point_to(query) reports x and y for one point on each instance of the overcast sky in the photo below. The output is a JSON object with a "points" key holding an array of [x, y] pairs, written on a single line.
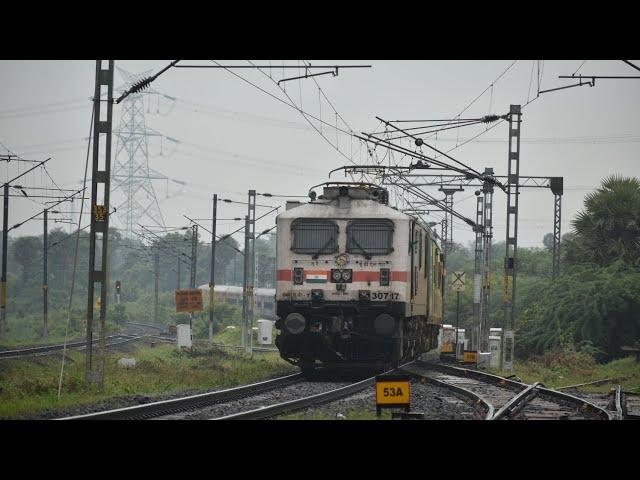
{"points": [[234, 137]]}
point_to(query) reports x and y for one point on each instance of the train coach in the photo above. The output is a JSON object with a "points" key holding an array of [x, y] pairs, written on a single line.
{"points": [[263, 298], [359, 284]]}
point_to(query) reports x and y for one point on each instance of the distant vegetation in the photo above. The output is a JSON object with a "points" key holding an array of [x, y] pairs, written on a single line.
{"points": [[594, 307], [133, 264]]}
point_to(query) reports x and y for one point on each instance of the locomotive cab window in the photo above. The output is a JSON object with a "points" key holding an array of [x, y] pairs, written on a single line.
{"points": [[314, 236], [370, 237]]}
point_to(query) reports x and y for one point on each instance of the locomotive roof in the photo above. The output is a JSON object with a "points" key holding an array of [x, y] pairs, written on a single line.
{"points": [[329, 209], [358, 209]]}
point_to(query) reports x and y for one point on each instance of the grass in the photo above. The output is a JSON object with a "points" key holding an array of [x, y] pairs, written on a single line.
{"points": [[559, 370], [29, 386], [349, 415]]}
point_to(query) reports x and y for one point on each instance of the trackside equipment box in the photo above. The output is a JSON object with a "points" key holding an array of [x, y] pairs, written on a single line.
{"points": [[184, 336], [393, 391]]}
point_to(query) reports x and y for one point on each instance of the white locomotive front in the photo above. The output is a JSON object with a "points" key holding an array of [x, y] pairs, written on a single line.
{"points": [[358, 283]]}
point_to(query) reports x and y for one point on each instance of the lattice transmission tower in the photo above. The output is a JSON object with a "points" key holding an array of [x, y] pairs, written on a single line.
{"points": [[133, 194]]}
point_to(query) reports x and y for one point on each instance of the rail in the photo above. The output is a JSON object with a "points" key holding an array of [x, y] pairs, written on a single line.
{"points": [[305, 402], [60, 346], [587, 408], [165, 407]]}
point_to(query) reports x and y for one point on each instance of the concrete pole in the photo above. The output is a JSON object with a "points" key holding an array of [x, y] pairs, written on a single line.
{"points": [[245, 281], [45, 279], [156, 262], [5, 230], [212, 281]]}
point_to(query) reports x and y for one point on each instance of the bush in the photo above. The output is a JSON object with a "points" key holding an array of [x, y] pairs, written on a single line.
{"points": [[590, 310]]}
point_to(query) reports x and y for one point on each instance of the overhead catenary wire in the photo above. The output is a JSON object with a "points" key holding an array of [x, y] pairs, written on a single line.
{"points": [[291, 105], [486, 89], [75, 258], [304, 115], [437, 130], [17, 225]]}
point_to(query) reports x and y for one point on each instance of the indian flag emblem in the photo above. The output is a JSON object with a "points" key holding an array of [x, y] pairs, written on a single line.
{"points": [[315, 276]]}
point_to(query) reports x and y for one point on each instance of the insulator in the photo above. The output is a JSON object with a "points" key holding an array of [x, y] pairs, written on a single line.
{"points": [[140, 85], [490, 118]]}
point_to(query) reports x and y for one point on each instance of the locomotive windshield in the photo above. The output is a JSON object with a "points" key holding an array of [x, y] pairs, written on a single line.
{"points": [[314, 236], [370, 237]]}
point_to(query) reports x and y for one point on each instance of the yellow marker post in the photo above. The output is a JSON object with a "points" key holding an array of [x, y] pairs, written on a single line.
{"points": [[393, 391], [470, 356]]}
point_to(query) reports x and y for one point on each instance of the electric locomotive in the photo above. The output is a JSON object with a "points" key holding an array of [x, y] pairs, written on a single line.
{"points": [[359, 284]]}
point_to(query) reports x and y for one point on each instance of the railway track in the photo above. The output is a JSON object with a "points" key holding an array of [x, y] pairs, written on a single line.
{"points": [[146, 327], [492, 397], [510, 399], [289, 406], [238, 347], [620, 404], [189, 403], [112, 340], [632, 406], [276, 409], [261, 400]]}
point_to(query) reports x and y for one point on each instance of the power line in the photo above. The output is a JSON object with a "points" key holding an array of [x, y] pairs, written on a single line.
{"points": [[486, 89], [578, 69], [304, 114], [281, 100]]}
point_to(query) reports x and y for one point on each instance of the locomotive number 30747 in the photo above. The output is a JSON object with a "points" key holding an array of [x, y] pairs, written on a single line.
{"points": [[384, 295]]}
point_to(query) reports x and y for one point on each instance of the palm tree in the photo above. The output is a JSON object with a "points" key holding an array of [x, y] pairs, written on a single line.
{"points": [[609, 227]]}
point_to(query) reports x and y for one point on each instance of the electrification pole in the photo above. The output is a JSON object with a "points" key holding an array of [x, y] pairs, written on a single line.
{"points": [[5, 246], [178, 279], [477, 278], [212, 281], [252, 267], [447, 221], [156, 262], [245, 281], [5, 230], [511, 253], [557, 190], [45, 278], [487, 189], [194, 253], [99, 233]]}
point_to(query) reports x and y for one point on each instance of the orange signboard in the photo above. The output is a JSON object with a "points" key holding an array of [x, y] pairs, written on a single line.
{"points": [[189, 300]]}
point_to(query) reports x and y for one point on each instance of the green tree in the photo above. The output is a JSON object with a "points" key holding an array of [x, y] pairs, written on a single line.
{"points": [[595, 308], [609, 227], [26, 251]]}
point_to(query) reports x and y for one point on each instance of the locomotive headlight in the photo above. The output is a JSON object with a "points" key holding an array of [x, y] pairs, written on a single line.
{"points": [[298, 276], [294, 323], [346, 275], [336, 275]]}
